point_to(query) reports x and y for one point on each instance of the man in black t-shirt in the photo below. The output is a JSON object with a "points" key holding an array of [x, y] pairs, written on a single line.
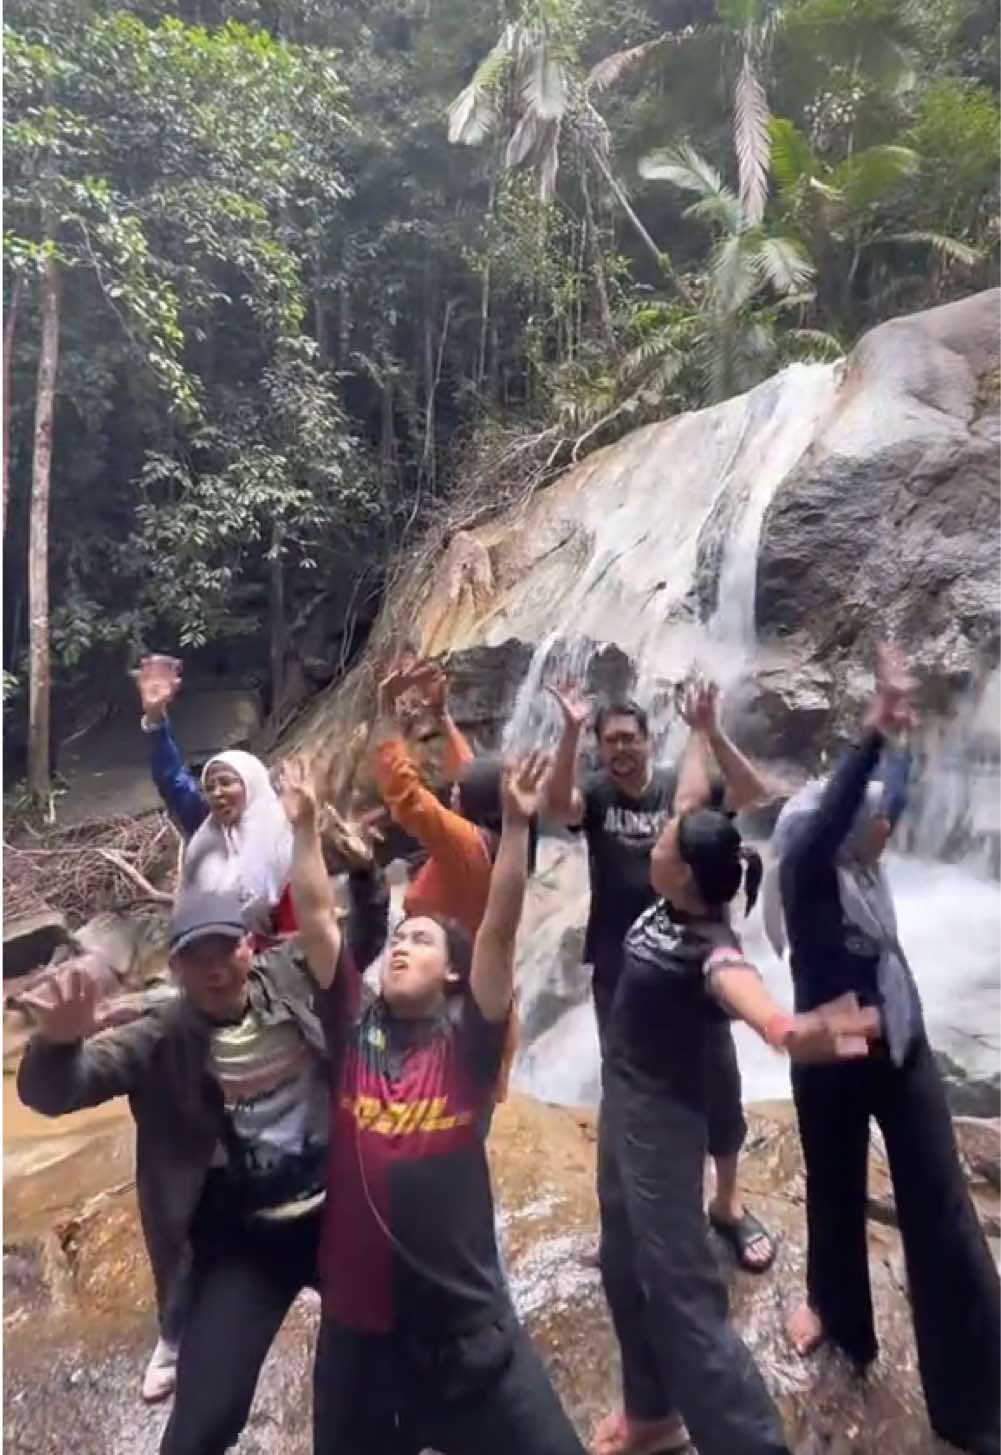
{"points": [[621, 809]]}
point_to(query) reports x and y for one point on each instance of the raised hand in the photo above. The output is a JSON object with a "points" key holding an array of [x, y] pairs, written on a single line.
{"points": [[64, 1008], [892, 710], [433, 686], [354, 842], [524, 786], [298, 792], [572, 703], [698, 704], [158, 679]]}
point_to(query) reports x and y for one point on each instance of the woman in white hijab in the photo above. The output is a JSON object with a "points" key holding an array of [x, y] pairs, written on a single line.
{"points": [[828, 898], [238, 836]]}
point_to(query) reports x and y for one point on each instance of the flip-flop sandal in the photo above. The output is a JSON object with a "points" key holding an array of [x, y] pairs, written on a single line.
{"points": [[740, 1235]]}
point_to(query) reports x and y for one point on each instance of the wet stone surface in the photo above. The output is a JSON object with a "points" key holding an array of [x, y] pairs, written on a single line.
{"points": [[79, 1326]]}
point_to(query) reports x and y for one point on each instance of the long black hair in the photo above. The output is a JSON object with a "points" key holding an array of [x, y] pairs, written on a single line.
{"points": [[711, 846]]}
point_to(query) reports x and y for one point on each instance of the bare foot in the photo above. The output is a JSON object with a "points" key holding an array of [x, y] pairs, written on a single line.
{"points": [[804, 1330], [617, 1434]]}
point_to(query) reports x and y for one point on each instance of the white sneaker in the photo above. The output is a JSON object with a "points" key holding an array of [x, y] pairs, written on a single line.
{"points": [[161, 1373]]}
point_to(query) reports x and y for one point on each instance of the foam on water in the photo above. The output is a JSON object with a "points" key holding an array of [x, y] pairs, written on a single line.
{"points": [[950, 928]]}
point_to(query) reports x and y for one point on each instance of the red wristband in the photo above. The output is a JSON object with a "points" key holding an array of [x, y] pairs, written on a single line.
{"points": [[777, 1029]]}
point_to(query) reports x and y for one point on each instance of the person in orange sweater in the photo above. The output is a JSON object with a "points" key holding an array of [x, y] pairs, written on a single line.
{"points": [[461, 839]]}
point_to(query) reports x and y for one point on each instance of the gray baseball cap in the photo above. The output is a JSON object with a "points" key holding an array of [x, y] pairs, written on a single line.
{"points": [[200, 913]]}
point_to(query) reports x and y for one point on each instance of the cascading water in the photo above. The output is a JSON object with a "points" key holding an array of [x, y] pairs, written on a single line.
{"points": [[639, 589]]}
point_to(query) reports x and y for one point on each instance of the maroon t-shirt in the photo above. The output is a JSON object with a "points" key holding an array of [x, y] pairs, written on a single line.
{"points": [[408, 1241]]}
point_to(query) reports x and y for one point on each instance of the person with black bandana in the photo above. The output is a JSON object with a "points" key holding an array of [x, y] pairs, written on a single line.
{"points": [[828, 897], [684, 976]]}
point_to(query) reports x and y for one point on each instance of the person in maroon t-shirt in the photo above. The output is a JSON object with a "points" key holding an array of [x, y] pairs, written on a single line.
{"points": [[419, 1344]]}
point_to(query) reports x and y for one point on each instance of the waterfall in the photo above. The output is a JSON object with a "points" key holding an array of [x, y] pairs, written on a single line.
{"points": [[661, 578]]}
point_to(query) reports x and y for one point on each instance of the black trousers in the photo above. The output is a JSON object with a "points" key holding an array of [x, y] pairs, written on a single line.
{"points": [[724, 1093], [667, 1299], [487, 1394], [242, 1283], [953, 1280]]}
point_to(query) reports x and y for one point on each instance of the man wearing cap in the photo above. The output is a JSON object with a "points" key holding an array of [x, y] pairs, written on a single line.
{"points": [[228, 1088]]}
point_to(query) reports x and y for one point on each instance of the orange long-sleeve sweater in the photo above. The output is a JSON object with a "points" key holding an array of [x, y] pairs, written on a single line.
{"points": [[455, 880]]}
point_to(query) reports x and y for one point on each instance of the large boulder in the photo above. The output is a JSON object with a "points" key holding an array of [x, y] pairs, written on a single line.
{"points": [[770, 538], [78, 1298]]}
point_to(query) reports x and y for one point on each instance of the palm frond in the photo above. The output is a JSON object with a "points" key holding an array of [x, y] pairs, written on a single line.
{"points": [[723, 208], [472, 116], [525, 139], [733, 271], [612, 69], [792, 157], [544, 85], [549, 161], [815, 343], [866, 177], [752, 139], [683, 167], [782, 263], [952, 248]]}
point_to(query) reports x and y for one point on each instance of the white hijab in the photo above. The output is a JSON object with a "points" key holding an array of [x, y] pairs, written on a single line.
{"points": [[252, 856]]}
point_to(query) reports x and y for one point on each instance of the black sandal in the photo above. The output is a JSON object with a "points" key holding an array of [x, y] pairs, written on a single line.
{"points": [[740, 1236]]}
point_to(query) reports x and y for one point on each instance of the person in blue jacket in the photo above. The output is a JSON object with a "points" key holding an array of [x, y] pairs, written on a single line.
{"points": [[238, 839]]}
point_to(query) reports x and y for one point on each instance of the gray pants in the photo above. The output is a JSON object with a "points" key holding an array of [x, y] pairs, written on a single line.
{"points": [[667, 1299]]}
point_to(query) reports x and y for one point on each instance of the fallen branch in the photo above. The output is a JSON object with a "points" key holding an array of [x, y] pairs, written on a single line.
{"points": [[142, 884]]}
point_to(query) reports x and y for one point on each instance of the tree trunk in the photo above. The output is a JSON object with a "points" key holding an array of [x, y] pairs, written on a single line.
{"points": [[39, 684], [277, 629], [9, 325], [661, 259], [591, 231]]}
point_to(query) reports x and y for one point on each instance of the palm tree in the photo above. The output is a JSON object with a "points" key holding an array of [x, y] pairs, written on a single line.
{"points": [[754, 278], [838, 210], [530, 87]]}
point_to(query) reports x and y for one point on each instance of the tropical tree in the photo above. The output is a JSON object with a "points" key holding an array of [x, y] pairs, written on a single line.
{"points": [[754, 276], [840, 211]]}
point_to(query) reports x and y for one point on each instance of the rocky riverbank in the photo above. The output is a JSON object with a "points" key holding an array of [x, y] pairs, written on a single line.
{"points": [[78, 1321]]}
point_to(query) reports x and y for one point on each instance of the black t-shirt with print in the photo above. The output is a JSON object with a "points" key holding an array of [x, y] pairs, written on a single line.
{"points": [[664, 1017], [621, 831]]}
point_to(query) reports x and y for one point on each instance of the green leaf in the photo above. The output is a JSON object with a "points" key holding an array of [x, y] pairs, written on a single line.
{"points": [[792, 157]]}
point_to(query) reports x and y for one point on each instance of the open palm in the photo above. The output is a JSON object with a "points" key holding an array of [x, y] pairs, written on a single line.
{"points": [[297, 791], [525, 784]]}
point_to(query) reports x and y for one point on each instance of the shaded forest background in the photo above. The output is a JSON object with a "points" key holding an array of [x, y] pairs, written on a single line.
{"points": [[292, 286]]}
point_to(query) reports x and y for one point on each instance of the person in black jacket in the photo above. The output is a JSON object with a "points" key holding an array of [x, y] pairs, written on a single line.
{"points": [[828, 896]]}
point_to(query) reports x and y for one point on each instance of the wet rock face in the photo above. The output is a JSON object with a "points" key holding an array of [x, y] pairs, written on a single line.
{"points": [[78, 1320]]}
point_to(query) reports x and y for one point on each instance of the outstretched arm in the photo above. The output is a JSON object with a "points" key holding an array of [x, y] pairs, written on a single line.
{"points": [[65, 1066], [312, 892], [835, 1032], [491, 978]]}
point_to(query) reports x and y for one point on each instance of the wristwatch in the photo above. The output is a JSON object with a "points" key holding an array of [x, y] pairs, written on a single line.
{"points": [[152, 727]]}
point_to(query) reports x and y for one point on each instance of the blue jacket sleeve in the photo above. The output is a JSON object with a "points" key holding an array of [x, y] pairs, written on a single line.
{"points": [[823, 833], [182, 796]]}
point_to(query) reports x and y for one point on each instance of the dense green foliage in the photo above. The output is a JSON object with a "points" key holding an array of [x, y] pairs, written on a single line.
{"points": [[322, 262]]}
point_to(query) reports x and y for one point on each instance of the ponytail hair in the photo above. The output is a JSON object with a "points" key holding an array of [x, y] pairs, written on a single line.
{"points": [[711, 846]]}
